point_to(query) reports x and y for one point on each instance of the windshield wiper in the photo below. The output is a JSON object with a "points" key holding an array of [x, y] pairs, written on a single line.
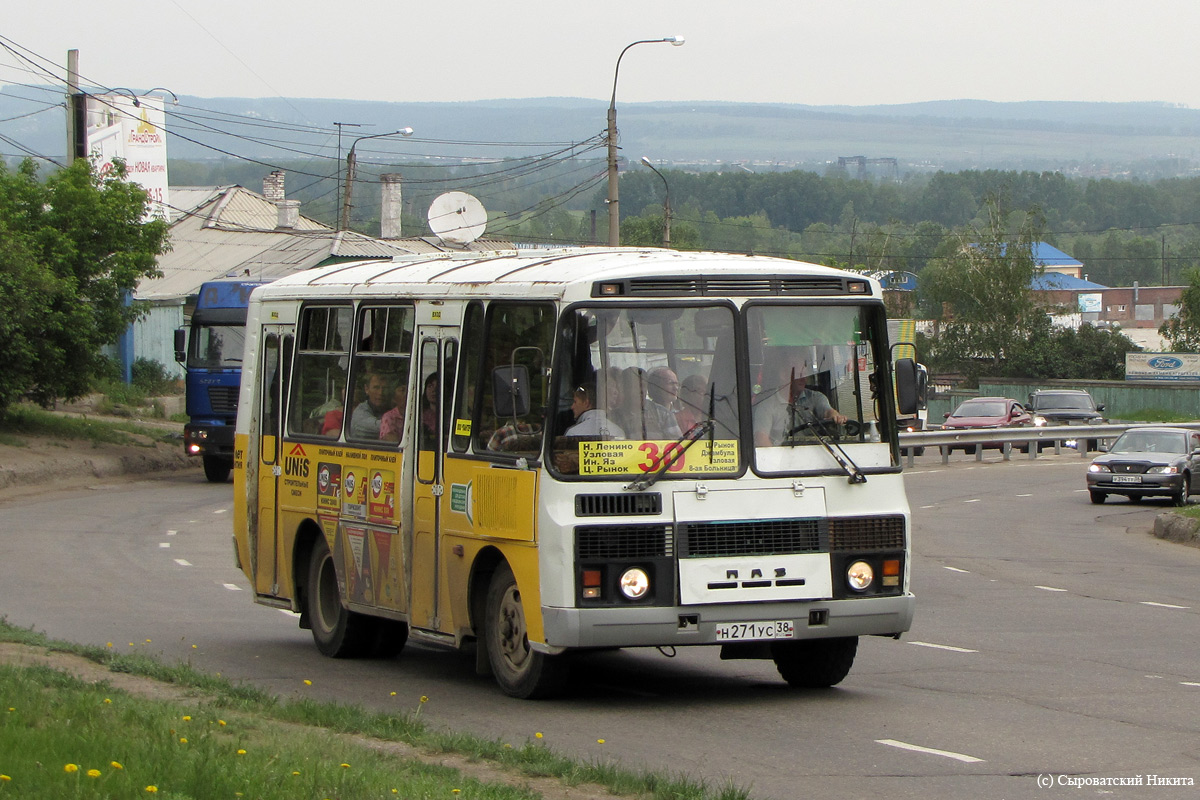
{"points": [[833, 448], [688, 439]]}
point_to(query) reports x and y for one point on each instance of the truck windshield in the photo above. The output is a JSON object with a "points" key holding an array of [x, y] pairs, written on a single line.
{"points": [[216, 346]]}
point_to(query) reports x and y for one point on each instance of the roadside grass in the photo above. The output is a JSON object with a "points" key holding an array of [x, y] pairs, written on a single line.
{"points": [[237, 741], [1160, 415], [29, 420]]}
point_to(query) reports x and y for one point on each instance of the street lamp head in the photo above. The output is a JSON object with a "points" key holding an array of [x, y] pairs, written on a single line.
{"points": [[646, 161], [675, 41], [405, 131]]}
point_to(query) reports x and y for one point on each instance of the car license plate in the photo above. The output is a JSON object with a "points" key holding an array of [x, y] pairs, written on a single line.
{"points": [[1127, 478], [749, 631]]}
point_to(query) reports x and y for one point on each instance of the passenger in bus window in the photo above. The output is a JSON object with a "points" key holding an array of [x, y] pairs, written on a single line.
{"points": [[429, 404], [589, 420], [364, 421], [789, 402], [663, 387], [633, 395], [391, 426]]}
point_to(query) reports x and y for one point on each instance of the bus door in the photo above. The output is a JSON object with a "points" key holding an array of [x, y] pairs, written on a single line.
{"points": [[274, 373], [435, 375]]}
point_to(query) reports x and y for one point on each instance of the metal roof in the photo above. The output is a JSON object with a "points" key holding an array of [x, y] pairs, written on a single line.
{"points": [[1059, 281], [230, 231]]}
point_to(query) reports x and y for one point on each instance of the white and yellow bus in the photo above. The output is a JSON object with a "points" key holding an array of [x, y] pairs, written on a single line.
{"points": [[540, 453]]}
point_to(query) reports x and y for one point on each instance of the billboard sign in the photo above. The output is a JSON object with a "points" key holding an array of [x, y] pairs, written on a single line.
{"points": [[132, 129], [1090, 302], [1162, 367]]}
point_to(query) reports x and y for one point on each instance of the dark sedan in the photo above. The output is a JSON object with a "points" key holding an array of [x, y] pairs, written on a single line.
{"points": [[1147, 462], [988, 412]]}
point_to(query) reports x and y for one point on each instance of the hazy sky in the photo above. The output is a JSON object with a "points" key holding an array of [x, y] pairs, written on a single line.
{"points": [[852, 52]]}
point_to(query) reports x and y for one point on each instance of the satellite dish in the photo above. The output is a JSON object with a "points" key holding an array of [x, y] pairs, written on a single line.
{"points": [[457, 218]]}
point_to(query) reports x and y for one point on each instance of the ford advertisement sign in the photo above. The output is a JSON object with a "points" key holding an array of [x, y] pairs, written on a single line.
{"points": [[1162, 367]]}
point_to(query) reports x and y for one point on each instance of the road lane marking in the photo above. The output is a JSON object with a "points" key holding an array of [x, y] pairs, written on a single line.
{"points": [[925, 507], [931, 751], [1188, 683], [1050, 589], [944, 647], [233, 587], [183, 562], [1025, 495], [976, 500], [1163, 605], [220, 510], [172, 533], [956, 569], [164, 544]]}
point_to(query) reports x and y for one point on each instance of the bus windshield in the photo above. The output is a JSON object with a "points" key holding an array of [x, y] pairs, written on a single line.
{"points": [[647, 388], [216, 346]]}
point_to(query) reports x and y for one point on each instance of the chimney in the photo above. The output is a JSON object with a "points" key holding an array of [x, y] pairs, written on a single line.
{"points": [[289, 214], [389, 215], [273, 187]]}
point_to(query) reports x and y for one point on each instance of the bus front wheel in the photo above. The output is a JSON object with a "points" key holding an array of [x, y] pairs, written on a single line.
{"points": [[337, 631], [519, 670], [814, 663]]}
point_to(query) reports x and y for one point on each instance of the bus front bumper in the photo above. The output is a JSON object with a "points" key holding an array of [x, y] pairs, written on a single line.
{"points": [[679, 626]]}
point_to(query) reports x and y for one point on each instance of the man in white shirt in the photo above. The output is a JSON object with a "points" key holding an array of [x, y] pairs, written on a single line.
{"points": [[788, 404], [589, 420]]}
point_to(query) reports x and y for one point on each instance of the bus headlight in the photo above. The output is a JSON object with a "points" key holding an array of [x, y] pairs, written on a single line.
{"points": [[860, 576], [635, 583]]}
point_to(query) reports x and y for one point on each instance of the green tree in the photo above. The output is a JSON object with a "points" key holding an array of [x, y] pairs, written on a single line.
{"points": [[75, 246], [1182, 331], [980, 293]]}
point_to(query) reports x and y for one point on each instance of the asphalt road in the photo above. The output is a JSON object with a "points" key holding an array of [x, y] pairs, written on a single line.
{"points": [[1052, 638]]}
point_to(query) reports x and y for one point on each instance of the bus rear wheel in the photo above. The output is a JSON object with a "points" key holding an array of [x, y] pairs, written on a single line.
{"points": [[814, 663], [519, 670], [216, 469], [337, 631]]}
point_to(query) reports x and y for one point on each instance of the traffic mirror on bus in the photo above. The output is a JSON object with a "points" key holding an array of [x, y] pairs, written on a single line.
{"points": [[910, 385], [510, 387]]}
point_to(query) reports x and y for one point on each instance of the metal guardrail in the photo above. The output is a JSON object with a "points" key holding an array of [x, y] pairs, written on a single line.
{"points": [[1005, 439]]}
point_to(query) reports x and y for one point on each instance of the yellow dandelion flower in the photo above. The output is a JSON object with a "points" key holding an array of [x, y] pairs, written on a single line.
{"points": [[345, 766], [108, 701], [395, 791], [241, 752], [93, 773], [456, 791], [193, 647], [6, 779], [187, 717], [183, 740], [599, 741], [147, 641], [151, 789], [538, 735], [221, 722], [110, 644], [307, 682], [116, 765], [424, 699], [295, 772], [71, 768], [508, 747], [393, 694], [10, 708], [131, 644]]}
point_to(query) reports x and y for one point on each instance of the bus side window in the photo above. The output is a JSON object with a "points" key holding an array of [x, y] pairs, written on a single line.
{"points": [[464, 417], [380, 374], [517, 343], [319, 385]]}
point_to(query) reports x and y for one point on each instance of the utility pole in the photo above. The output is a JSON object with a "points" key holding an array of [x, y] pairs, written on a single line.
{"points": [[76, 111], [341, 125]]}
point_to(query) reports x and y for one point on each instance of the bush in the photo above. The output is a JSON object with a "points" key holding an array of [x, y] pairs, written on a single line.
{"points": [[152, 378]]}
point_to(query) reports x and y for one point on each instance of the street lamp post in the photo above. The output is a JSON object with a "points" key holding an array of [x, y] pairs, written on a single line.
{"points": [[614, 207], [666, 203], [350, 162]]}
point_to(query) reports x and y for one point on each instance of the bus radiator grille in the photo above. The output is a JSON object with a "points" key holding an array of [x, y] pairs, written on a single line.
{"points": [[623, 541], [750, 538], [866, 533], [617, 505]]}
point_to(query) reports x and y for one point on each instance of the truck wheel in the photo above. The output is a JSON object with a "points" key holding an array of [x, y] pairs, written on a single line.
{"points": [[815, 663], [519, 670], [216, 469], [337, 631]]}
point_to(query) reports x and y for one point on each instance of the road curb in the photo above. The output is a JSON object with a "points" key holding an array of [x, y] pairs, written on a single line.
{"points": [[1177, 528]]}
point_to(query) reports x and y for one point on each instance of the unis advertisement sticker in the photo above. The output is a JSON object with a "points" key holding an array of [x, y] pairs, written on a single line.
{"points": [[354, 492], [640, 458], [381, 496], [329, 486]]}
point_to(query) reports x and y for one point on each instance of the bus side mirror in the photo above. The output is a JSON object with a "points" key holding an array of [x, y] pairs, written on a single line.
{"points": [[180, 345], [910, 386], [510, 391]]}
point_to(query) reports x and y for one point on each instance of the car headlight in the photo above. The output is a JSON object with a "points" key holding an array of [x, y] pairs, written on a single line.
{"points": [[1171, 470], [1039, 421], [860, 576], [635, 583], [1099, 468]]}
